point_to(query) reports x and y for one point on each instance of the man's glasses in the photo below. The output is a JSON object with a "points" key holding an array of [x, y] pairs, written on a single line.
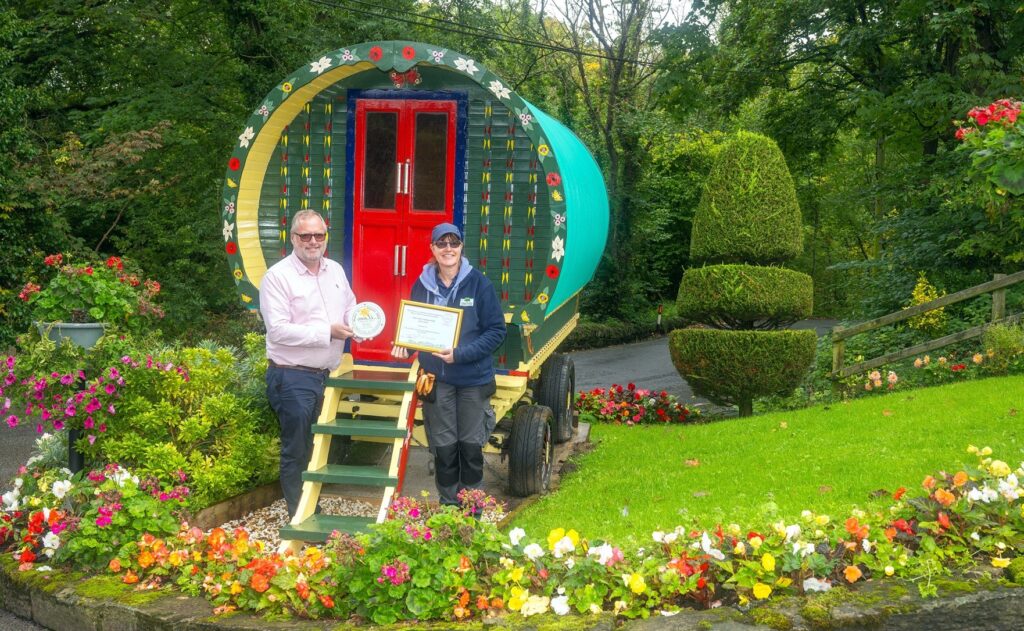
{"points": [[305, 237], [447, 243]]}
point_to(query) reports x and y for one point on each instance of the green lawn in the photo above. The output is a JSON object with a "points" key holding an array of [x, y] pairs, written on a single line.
{"points": [[753, 471]]}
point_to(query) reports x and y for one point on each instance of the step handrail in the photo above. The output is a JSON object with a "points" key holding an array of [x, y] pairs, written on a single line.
{"points": [[997, 287]]}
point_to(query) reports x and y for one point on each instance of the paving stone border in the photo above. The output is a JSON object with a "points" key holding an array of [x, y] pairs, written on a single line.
{"points": [[58, 603]]}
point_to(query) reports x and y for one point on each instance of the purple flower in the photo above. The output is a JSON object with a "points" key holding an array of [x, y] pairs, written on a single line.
{"points": [[10, 362], [10, 379], [12, 421], [39, 428], [124, 360], [92, 439], [88, 424], [70, 410], [102, 521], [93, 405], [57, 425], [66, 379], [103, 427], [110, 409], [110, 388], [114, 374]]}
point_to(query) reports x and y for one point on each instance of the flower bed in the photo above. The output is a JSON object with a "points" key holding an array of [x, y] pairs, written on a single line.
{"points": [[632, 406], [428, 562]]}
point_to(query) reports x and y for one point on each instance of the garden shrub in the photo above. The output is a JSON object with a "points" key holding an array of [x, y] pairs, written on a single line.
{"points": [[729, 367], [193, 421], [738, 296], [1004, 345], [749, 209], [748, 213]]}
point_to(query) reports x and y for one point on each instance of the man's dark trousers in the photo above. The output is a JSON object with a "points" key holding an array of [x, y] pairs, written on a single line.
{"points": [[296, 396]]}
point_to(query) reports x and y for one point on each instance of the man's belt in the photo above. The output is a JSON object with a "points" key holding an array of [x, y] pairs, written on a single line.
{"points": [[319, 371]]}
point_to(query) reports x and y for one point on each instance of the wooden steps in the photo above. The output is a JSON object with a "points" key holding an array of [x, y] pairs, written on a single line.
{"points": [[363, 404]]}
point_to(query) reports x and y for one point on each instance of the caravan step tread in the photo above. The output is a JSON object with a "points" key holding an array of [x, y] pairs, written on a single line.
{"points": [[351, 474], [360, 427], [364, 379], [317, 528]]}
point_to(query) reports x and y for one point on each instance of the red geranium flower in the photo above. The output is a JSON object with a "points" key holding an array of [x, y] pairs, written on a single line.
{"points": [[376, 53], [231, 247], [234, 164], [408, 52], [554, 179], [552, 271]]}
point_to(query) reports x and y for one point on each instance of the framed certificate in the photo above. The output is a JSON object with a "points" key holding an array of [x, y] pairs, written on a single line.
{"points": [[427, 327]]}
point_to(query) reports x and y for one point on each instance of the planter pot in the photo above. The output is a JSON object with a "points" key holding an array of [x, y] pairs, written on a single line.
{"points": [[84, 334]]}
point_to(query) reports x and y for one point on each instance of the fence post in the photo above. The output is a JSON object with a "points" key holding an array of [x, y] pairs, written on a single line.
{"points": [[838, 350], [998, 300]]}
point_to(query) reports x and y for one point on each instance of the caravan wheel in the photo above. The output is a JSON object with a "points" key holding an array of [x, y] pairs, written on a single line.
{"points": [[530, 451]]}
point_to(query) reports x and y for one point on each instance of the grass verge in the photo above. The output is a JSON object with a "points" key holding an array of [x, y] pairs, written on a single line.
{"points": [[756, 470]]}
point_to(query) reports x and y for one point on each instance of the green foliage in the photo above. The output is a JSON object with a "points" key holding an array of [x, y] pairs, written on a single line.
{"points": [[749, 210], [1004, 347], [733, 367], [589, 334], [738, 296], [197, 420]]}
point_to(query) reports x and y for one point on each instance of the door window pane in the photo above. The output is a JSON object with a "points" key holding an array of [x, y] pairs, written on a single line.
{"points": [[379, 166], [431, 161]]}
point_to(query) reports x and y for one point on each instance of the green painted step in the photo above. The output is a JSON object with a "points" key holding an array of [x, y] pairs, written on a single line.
{"points": [[319, 527], [360, 427], [366, 380], [347, 474]]}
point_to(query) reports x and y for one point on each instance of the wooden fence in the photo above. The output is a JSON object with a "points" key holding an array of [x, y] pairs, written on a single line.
{"points": [[997, 287]]}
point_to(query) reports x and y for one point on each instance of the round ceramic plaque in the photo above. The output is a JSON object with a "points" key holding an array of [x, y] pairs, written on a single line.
{"points": [[367, 320]]}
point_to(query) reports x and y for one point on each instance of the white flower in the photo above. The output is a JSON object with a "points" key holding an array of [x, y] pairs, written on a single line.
{"points": [[562, 547], [10, 500], [603, 553], [559, 219], [705, 545], [229, 208], [525, 118], [595, 608], [466, 65], [806, 515], [245, 137], [975, 536], [570, 562], [792, 532], [228, 229], [51, 542], [560, 605], [346, 55], [866, 544], [61, 488], [533, 551], [44, 568], [817, 585], [18, 482], [534, 605], [499, 90], [516, 536], [668, 614], [320, 65], [264, 111], [658, 536], [671, 537], [438, 56], [557, 248], [803, 549]]}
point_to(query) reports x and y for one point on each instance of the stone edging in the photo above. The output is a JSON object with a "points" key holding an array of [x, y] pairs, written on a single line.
{"points": [[63, 602]]}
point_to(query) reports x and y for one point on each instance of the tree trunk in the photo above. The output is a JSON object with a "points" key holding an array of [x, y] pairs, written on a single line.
{"points": [[746, 406]]}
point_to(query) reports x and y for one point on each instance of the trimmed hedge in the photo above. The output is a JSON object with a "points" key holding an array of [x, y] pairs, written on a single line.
{"points": [[733, 367], [737, 296], [749, 210], [588, 335]]}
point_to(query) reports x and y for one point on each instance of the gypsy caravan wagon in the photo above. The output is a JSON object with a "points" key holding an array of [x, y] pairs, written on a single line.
{"points": [[386, 140]]}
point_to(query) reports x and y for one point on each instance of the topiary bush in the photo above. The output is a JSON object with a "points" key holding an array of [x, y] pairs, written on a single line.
{"points": [[749, 211], [745, 296], [748, 219], [734, 367]]}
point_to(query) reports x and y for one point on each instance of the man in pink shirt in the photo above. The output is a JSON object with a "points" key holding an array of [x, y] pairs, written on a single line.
{"points": [[305, 301]]}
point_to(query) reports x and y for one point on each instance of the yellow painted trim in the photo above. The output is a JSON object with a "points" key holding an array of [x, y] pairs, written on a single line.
{"points": [[247, 207]]}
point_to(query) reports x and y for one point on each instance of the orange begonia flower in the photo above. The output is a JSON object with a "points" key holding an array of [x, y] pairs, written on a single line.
{"points": [[145, 559], [852, 573], [944, 497], [929, 482], [130, 577], [259, 582], [114, 565], [960, 478]]}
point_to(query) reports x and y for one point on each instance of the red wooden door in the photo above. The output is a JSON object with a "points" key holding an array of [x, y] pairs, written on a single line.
{"points": [[403, 185]]}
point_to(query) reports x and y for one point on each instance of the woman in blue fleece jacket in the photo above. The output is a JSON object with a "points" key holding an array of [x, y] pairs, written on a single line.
{"points": [[460, 419]]}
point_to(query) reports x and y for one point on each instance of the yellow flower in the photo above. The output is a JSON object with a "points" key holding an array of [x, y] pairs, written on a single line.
{"points": [[784, 581], [555, 195], [768, 562], [978, 358], [554, 537], [286, 87], [755, 542], [517, 574], [543, 150], [636, 583], [986, 451], [999, 469], [889, 570], [542, 298], [821, 520], [519, 598], [236, 588], [740, 548], [238, 273], [762, 591], [971, 449], [1000, 562]]}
